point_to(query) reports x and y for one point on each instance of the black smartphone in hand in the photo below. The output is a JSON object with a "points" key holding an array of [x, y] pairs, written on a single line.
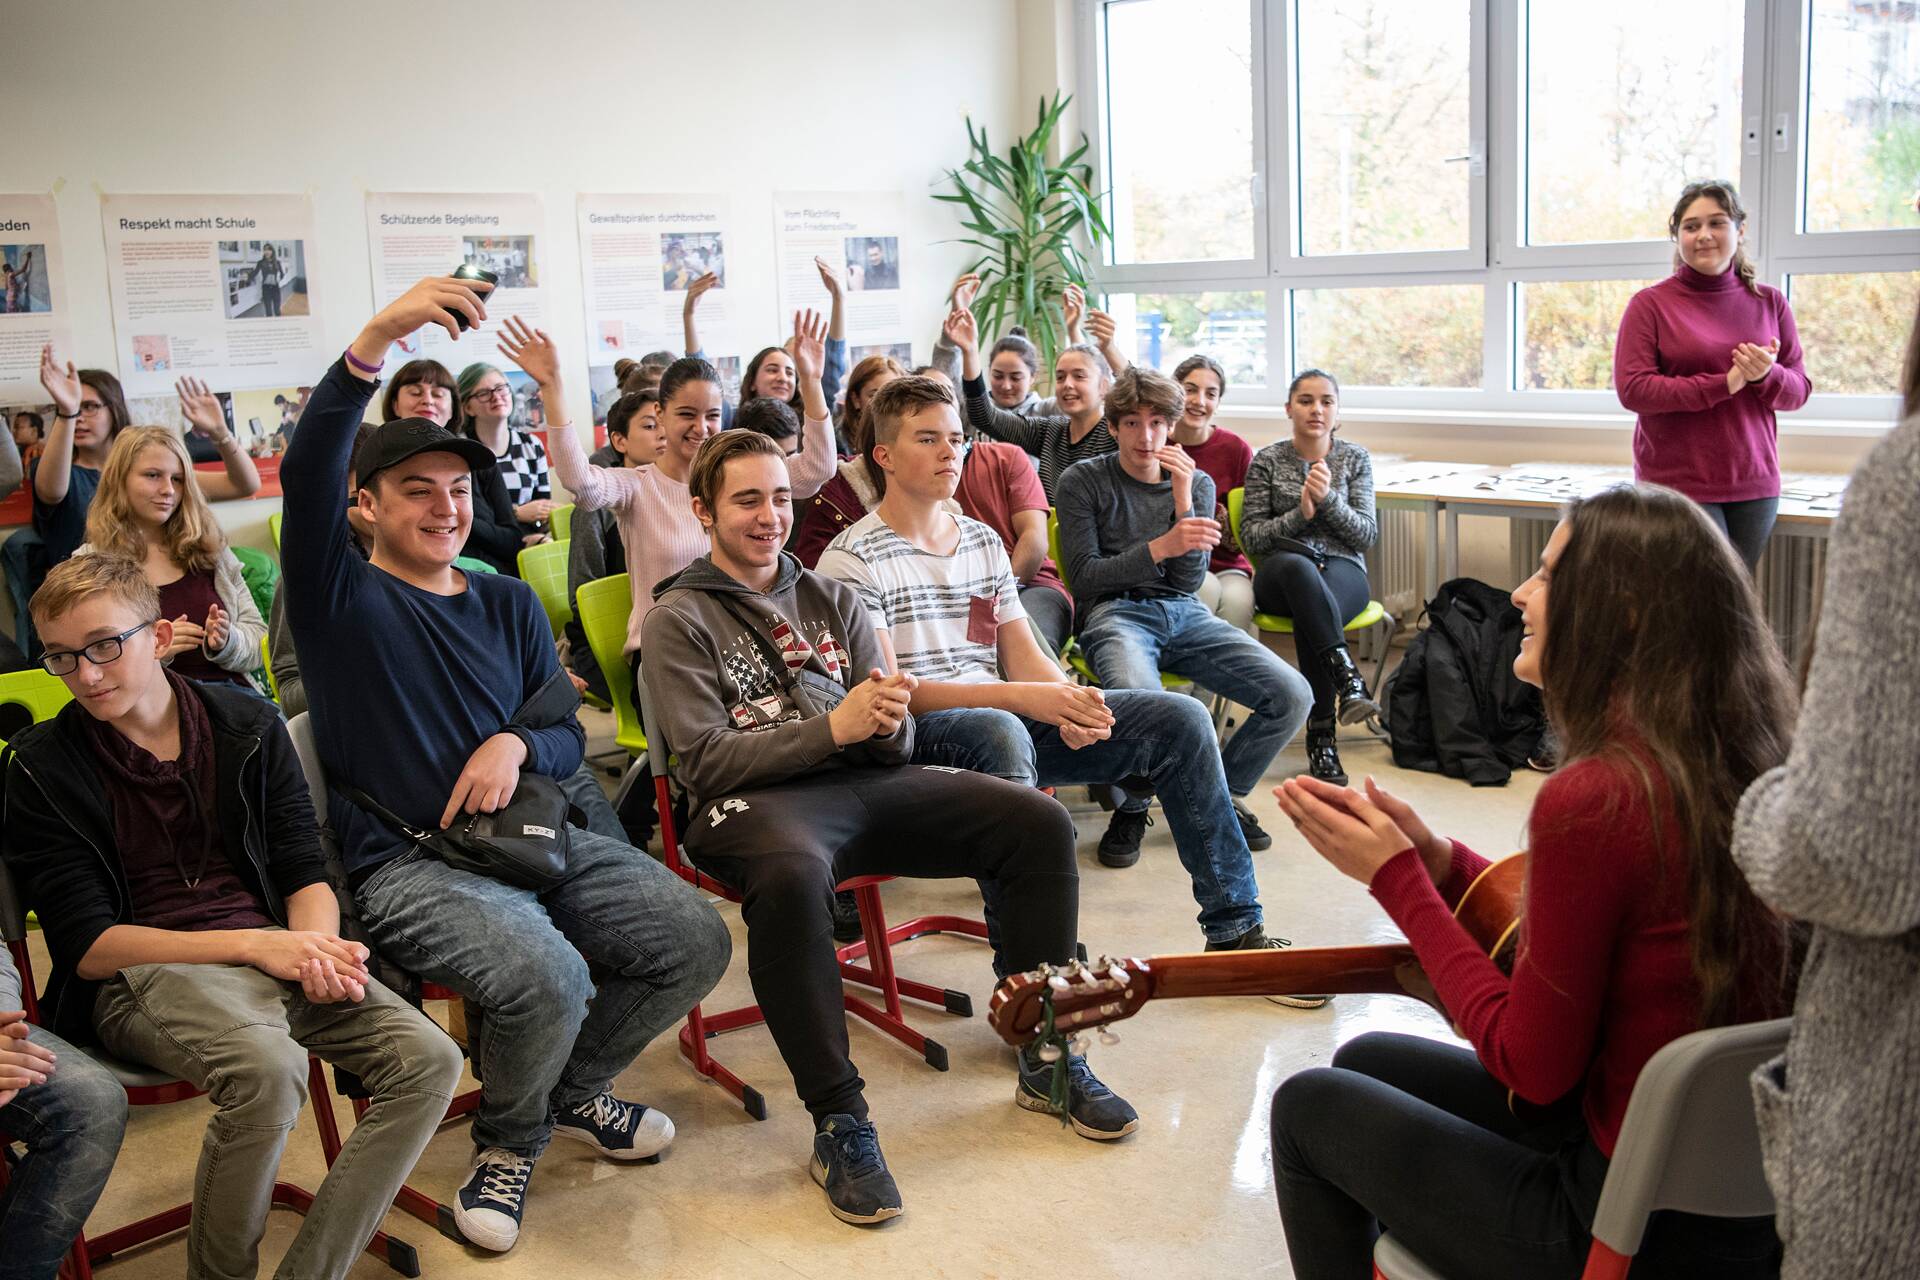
{"points": [[467, 271]]}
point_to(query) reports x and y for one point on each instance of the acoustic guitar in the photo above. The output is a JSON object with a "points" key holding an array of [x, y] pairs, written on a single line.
{"points": [[1086, 996]]}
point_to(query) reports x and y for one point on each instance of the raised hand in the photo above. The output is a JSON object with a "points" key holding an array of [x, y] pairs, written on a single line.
{"points": [[201, 409], [809, 344], [829, 276], [218, 628], [699, 286], [1101, 327], [532, 350], [434, 300], [964, 290], [1073, 305], [962, 330], [62, 384]]}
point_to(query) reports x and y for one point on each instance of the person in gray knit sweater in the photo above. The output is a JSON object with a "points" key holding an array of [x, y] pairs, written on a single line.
{"points": [[1832, 838], [1307, 523]]}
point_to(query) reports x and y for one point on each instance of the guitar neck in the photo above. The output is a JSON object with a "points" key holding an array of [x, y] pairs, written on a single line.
{"points": [[1307, 971]]}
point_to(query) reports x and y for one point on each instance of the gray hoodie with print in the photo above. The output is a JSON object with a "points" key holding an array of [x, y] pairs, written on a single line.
{"points": [[722, 711]]}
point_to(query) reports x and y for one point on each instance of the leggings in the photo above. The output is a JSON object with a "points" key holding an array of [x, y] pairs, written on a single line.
{"points": [[785, 847], [1319, 600], [1747, 525], [1411, 1136]]}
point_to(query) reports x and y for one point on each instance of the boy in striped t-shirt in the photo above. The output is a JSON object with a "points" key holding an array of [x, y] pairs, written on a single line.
{"points": [[944, 601]]}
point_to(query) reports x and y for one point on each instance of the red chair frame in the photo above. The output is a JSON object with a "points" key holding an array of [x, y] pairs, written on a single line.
{"points": [[98, 1250], [876, 948]]}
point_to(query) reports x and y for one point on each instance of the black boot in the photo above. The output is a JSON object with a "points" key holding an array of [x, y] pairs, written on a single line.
{"points": [[1323, 758], [1355, 703]]}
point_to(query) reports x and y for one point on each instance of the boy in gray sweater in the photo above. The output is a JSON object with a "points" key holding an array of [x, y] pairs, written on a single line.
{"points": [[767, 682], [1134, 548]]}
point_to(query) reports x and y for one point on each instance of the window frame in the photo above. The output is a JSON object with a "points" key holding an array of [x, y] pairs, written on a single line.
{"points": [[1776, 83]]}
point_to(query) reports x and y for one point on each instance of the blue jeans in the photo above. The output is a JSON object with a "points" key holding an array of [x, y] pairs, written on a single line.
{"points": [[550, 1037], [585, 792], [1130, 642], [72, 1127], [1165, 737]]}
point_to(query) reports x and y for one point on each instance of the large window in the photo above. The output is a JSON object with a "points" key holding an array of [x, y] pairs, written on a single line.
{"points": [[1449, 202]]}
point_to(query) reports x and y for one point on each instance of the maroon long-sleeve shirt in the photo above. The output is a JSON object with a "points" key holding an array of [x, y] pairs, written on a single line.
{"points": [[1670, 366], [1604, 976]]}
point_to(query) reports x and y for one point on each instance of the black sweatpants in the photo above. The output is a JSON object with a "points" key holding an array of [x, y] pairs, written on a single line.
{"points": [[1319, 600], [784, 848], [1412, 1137]]}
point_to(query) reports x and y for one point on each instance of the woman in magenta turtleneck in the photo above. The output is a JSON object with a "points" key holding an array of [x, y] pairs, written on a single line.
{"points": [[1705, 359]]}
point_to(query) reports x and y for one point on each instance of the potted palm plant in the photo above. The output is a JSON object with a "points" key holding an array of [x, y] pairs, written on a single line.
{"points": [[1035, 223]]}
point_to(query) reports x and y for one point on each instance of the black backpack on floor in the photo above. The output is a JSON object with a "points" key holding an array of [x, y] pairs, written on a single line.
{"points": [[1454, 705]]}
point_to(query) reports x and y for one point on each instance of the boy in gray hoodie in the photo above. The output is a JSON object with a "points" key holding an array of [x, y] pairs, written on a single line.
{"points": [[794, 745]]}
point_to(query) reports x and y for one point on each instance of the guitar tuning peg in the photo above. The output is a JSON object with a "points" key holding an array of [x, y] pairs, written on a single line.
{"points": [[1107, 1037], [1058, 983], [1049, 1053], [1079, 1044], [1118, 973]]}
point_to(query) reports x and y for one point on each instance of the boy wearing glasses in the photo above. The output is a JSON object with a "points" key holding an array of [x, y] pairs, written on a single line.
{"points": [[164, 832]]}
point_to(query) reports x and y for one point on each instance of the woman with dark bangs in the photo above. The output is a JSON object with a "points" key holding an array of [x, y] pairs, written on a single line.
{"points": [[1638, 928]]}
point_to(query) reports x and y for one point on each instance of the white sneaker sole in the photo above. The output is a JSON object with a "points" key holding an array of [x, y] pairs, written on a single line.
{"points": [[648, 1143], [819, 1172], [1027, 1102], [477, 1229], [1302, 1002]]}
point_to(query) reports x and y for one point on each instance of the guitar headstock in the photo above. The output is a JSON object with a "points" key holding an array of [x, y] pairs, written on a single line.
{"points": [[1084, 996]]}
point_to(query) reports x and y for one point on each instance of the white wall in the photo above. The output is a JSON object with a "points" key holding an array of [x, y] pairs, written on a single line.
{"points": [[746, 97]]}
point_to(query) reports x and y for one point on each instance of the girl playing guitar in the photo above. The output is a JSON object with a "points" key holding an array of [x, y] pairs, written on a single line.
{"points": [[1669, 696]]}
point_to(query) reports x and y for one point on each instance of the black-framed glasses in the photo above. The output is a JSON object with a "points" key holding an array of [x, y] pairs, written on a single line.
{"points": [[91, 406], [501, 392], [64, 662]]}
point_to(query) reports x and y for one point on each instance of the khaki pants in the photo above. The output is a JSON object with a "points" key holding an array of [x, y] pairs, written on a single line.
{"points": [[244, 1038]]}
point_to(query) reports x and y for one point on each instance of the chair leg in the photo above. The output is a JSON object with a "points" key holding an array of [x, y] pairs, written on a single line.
{"points": [[1604, 1264], [693, 1047]]}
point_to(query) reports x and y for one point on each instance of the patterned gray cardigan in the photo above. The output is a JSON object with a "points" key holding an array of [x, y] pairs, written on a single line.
{"points": [[1344, 525]]}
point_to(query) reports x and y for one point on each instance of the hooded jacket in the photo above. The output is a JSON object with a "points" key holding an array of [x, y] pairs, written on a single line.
{"points": [[722, 712], [60, 847]]}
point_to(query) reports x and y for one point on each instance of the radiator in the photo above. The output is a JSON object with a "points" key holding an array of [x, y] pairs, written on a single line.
{"points": [[1397, 562], [1789, 577]]}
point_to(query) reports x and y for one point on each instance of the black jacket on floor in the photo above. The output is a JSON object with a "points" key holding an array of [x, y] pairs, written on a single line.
{"points": [[1454, 705]]}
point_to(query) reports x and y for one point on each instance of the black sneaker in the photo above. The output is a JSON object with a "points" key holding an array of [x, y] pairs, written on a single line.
{"points": [[616, 1129], [488, 1208], [1256, 939], [1120, 846], [1094, 1110], [848, 1165], [846, 917], [1257, 837]]}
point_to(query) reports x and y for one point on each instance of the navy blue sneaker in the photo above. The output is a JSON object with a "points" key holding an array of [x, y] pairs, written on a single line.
{"points": [[1094, 1110], [617, 1130], [848, 1165], [489, 1207]]}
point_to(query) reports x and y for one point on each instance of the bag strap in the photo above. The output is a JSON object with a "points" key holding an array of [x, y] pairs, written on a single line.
{"points": [[778, 664], [389, 817]]}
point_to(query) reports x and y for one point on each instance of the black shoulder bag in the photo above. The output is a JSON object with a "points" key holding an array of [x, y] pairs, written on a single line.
{"points": [[525, 843]]}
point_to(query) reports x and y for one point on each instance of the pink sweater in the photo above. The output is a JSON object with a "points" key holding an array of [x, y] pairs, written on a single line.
{"points": [[655, 512], [1670, 368]]}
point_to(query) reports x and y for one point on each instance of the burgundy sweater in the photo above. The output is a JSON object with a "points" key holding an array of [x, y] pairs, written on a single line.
{"points": [[1670, 366], [1604, 976], [1226, 457]]}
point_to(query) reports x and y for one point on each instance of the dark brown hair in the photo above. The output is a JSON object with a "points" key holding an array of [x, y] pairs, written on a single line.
{"points": [[1659, 661], [621, 414], [1722, 193], [774, 419], [748, 378], [414, 372], [1017, 342], [107, 387], [1145, 391], [888, 410], [716, 451], [1200, 360]]}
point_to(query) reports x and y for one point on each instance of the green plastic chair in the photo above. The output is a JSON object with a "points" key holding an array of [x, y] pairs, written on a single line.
{"points": [[273, 527], [1375, 615], [266, 664], [473, 566], [562, 523], [605, 606], [41, 694], [544, 568], [1071, 655]]}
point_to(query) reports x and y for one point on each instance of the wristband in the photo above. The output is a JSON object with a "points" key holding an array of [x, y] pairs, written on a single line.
{"points": [[362, 365], [58, 414]]}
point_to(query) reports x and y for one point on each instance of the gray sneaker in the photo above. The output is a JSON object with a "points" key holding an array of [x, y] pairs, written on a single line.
{"points": [[1257, 939]]}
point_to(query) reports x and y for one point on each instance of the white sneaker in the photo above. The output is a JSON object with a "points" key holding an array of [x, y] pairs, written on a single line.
{"points": [[488, 1209], [617, 1130]]}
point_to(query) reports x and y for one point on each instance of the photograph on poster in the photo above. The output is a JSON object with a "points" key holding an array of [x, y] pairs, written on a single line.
{"points": [[901, 351], [264, 419], [729, 369], [263, 278], [529, 414], [152, 353], [605, 387], [613, 335], [685, 256], [509, 257], [23, 272], [873, 262], [28, 423]]}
